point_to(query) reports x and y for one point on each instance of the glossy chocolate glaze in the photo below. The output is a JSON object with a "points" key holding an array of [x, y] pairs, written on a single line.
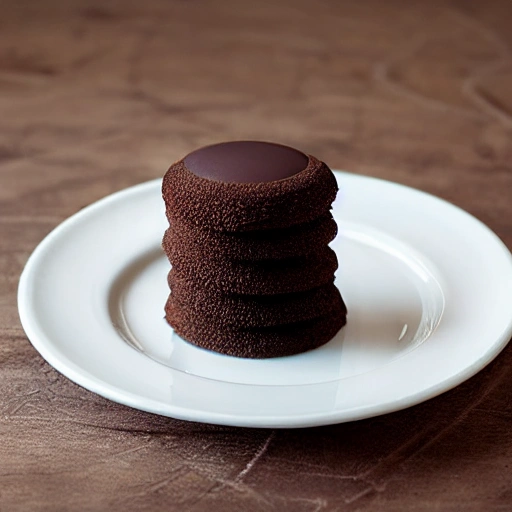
{"points": [[246, 162]]}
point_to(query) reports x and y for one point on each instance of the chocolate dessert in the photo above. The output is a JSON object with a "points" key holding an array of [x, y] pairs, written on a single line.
{"points": [[262, 277], [252, 273], [253, 245]]}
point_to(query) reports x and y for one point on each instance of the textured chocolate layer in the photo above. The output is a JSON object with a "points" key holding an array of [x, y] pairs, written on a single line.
{"points": [[254, 311], [232, 207], [246, 162], [264, 342], [251, 245], [272, 277]]}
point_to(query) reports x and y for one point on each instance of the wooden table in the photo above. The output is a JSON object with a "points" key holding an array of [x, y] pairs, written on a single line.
{"points": [[97, 96]]}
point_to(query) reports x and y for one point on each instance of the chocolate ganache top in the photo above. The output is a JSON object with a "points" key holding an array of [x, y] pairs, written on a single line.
{"points": [[246, 162]]}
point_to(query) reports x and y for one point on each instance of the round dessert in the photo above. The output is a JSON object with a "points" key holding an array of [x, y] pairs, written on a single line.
{"points": [[246, 311], [262, 277], [248, 205], [260, 342], [252, 274], [267, 244]]}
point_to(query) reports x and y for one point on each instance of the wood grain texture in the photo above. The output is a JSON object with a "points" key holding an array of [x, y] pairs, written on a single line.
{"points": [[97, 96]]}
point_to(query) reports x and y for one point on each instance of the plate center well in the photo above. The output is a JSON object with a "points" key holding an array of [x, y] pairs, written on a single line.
{"points": [[394, 304]]}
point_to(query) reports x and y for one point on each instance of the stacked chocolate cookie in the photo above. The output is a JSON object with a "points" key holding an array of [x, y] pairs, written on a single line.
{"points": [[252, 274]]}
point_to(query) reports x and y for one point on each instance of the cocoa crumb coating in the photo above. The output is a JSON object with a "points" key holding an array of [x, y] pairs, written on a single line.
{"points": [[268, 277], [257, 343], [236, 207], [254, 310], [294, 241]]}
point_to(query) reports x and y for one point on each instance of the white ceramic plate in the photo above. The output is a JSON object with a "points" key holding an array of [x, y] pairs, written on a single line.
{"points": [[428, 288]]}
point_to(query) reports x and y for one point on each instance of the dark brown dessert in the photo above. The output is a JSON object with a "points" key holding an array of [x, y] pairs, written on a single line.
{"points": [[253, 310], [258, 342], [262, 277], [252, 274], [267, 244], [248, 206]]}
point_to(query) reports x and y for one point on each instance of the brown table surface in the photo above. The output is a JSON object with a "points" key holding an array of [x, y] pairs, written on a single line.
{"points": [[97, 96]]}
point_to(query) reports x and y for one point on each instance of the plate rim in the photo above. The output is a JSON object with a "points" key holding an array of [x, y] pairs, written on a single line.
{"points": [[90, 382]]}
